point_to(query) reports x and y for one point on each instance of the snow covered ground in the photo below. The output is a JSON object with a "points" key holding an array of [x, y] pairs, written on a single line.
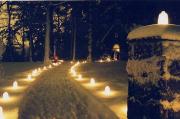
{"points": [[111, 74], [56, 95]]}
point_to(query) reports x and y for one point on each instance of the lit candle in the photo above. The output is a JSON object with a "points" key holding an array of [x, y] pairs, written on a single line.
{"points": [[108, 59], [50, 66], [107, 91], [1, 113], [79, 77], [44, 68], [54, 64], [29, 77], [74, 73], [163, 18], [5, 96], [34, 72], [92, 81], [39, 69], [100, 60], [15, 84]]}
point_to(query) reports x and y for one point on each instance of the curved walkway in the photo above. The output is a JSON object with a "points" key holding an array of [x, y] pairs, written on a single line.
{"points": [[21, 81], [116, 100]]}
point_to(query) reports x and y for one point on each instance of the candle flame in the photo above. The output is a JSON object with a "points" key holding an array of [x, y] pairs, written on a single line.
{"points": [[163, 18], [107, 91]]}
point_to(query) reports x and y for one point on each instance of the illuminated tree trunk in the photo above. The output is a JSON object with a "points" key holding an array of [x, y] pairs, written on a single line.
{"points": [[48, 34]]}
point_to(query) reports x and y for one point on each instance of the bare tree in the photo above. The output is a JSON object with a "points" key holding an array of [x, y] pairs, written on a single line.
{"points": [[49, 19]]}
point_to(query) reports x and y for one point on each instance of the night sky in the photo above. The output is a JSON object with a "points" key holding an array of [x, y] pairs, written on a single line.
{"points": [[122, 17]]}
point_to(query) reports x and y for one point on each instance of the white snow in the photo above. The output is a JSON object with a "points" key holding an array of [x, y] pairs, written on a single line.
{"points": [[165, 32], [137, 67]]}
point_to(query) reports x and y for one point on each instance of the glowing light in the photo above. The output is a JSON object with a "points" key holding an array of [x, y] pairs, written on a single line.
{"points": [[92, 82], [84, 62], [100, 60], [77, 63], [61, 60], [124, 109], [15, 84], [71, 62], [50, 66], [108, 59], [5, 96], [107, 91], [29, 77], [44, 68], [1, 113], [34, 72], [74, 73], [55, 64], [79, 77], [163, 18], [39, 69]]}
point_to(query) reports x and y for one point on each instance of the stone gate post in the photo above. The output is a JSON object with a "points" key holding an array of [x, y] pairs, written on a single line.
{"points": [[154, 72]]}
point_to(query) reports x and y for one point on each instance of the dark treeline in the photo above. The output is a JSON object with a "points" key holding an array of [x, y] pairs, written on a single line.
{"points": [[95, 26]]}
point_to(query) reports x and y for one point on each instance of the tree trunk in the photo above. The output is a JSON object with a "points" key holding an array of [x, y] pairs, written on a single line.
{"points": [[31, 46], [23, 46], [74, 38], [89, 58], [48, 34]]}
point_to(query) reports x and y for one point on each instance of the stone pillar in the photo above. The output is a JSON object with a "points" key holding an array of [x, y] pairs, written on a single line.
{"points": [[154, 78]]}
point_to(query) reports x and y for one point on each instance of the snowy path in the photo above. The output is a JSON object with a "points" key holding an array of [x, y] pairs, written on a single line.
{"points": [[11, 105], [117, 80]]}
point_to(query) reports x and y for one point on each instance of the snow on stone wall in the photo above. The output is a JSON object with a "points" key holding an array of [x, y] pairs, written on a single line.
{"points": [[144, 71], [154, 78], [170, 32]]}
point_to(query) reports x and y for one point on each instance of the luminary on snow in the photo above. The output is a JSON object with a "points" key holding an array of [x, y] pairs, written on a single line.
{"points": [[5, 96], [15, 84], [108, 59], [50, 66], [39, 69], [163, 18], [34, 72], [29, 77], [79, 77], [74, 73], [1, 113], [92, 81], [107, 91], [44, 68], [100, 60]]}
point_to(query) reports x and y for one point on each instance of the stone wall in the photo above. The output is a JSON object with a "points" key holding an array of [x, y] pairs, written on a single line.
{"points": [[154, 79]]}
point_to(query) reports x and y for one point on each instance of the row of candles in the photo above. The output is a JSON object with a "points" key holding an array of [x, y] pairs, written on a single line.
{"points": [[92, 82], [33, 74]]}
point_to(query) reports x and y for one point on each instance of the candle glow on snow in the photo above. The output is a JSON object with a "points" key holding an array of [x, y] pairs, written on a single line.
{"points": [[5, 96], [92, 82], [29, 77], [163, 18], [15, 84], [1, 113], [107, 91]]}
